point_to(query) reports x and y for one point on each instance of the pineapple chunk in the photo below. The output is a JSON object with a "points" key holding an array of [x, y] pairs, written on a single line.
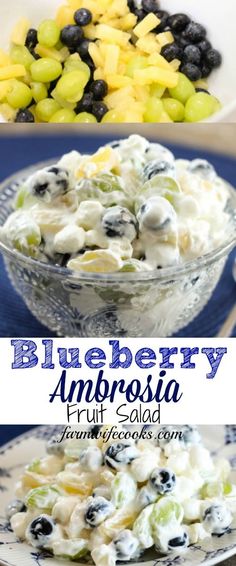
{"points": [[128, 22], [111, 59], [113, 99], [158, 60], [90, 31], [148, 44], [5, 87], [155, 75], [99, 74], [48, 52], [65, 16], [95, 53], [4, 58], [118, 8], [142, 93], [19, 32], [104, 159], [149, 23], [118, 81], [12, 72], [111, 35], [165, 38], [7, 112], [121, 519], [175, 64]]}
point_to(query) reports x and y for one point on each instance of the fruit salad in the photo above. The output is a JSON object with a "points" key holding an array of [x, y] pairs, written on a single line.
{"points": [[129, 207], [109, 61], [113, 500]]}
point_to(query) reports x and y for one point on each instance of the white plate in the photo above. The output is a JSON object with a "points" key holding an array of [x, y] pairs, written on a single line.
{"points": [[15, 455], [220, 24]]}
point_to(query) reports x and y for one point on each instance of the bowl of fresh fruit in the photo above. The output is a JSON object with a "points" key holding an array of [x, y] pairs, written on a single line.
{"points": [[116, 61]]}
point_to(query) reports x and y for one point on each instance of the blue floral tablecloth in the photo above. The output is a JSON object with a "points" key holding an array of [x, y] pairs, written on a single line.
{"points": [[20, 151]]}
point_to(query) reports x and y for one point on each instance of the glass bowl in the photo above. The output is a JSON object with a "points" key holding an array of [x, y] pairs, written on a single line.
{"points": [[157, 303]]}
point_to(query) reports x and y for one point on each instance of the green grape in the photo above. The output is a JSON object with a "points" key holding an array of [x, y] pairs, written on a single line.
{"points": [[43, 497], [123, 489], [157, 90], [164, 512], [39, 91], [21, 55], [71, 86], [21, 195], [48, 33], [201, 106], [62, 103], [72, 549], [63, 116], [20, 95], [46, 108], [45, 70], [113, 116], [135, 64], [85, 118], [154, 109], [211, 489], [174, 109], [183, 90], [73, 64]]}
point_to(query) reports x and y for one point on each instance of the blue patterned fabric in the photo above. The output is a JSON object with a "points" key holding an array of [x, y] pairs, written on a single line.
{"points": [[20, 151]]}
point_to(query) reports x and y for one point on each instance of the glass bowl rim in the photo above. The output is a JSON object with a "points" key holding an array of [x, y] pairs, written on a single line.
{"points": [[164, 274]]}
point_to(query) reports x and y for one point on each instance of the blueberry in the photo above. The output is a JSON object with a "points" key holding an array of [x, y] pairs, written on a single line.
{"points": [[140, 14], [119, 453], [131, 5], [54, 447], [99, 110], [126, 546], [39, 530], [192, 54], [217, 519], [163, 480], [205, 70], [71, 36], [172, 51], [202, 168], [213, 58], [49, 183], [118, 222], [182, 42], [191, 71], [15, 506], [194, 32], [99, 89], [83, 17], [178, 22], [85, 104], [154, 168], [83, 48], [204, 45], [150, 5], [178, 542], [163, 16], [24, 115], [98, 510], [31, 39]]}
